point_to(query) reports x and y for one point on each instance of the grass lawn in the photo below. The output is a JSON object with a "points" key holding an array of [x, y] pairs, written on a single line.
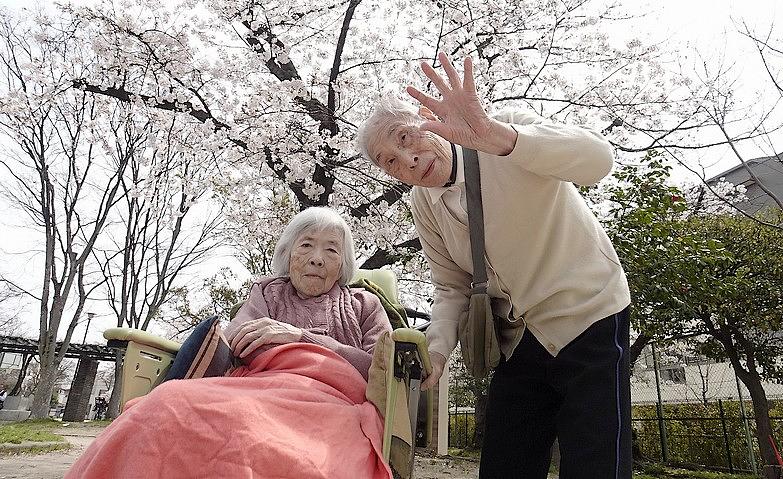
{"points": [[656, 471], [646, 471], [37, 430], [466, 453]]}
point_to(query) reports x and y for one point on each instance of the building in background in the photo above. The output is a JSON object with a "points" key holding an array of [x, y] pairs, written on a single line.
{"points": [[768, 173]]}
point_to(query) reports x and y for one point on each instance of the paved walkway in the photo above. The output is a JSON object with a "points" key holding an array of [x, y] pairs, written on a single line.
{"points": [[50, 465]]}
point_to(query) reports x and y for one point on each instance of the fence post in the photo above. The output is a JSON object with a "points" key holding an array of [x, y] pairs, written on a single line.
{"points": [[659, 408], [725, 434], [748, 441], [466, 428], [448, 441]]}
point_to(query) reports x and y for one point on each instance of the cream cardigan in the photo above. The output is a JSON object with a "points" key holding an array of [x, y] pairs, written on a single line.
{"points": [[550, 265]]}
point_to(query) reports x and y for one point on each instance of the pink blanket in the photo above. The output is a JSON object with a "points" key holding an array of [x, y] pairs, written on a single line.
{"points": [[298, 411]]}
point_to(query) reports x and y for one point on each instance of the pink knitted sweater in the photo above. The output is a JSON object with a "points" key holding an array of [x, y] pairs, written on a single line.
{"points": [[347, 321]]}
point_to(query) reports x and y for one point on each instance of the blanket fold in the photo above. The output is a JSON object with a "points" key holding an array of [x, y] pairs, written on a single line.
{"points": [[297, 411]]}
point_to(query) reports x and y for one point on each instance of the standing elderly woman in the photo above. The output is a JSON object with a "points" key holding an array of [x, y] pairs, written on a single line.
{"points": [[296, 407], [555, 280]]}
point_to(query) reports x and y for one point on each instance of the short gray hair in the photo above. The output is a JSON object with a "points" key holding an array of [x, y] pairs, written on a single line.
{"points": [[317, 218], [388, 110]]}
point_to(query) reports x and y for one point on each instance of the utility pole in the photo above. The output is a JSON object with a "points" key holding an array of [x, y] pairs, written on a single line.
{"points": [[659, 407], [89, 318]]}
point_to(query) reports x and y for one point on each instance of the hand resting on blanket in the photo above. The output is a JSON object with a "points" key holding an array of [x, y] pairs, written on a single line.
{"points": [[260, 332]]}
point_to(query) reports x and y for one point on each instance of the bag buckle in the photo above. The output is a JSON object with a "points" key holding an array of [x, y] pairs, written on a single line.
{"points": [[480, 287]]}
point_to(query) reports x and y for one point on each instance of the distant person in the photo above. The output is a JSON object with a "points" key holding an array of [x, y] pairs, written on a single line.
{"points": [[100, 407]]}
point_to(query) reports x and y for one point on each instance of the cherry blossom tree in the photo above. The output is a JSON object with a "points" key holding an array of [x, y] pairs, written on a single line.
{"points": [[282, 86], [58, 178], [269, 95], [162, 228]]}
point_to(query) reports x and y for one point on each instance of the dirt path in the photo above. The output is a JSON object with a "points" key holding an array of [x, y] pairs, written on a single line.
{"points": [[445, 468], [52, 465]]}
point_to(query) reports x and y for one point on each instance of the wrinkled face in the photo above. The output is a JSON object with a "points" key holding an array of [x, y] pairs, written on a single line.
{"points": [[415, 157], [316, 261]]}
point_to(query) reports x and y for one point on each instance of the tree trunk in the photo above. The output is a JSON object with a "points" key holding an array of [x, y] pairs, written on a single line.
{"points": [[638, 346], [116, 390], [761, 413], [43, 393], [17, 389], [481, 419]]}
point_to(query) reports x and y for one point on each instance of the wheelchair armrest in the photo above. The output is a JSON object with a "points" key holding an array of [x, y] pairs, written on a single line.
{"points": [[141, 337], [422, 327], [413, 336]]}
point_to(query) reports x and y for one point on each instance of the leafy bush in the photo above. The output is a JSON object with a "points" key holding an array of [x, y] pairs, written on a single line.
{"points": [[694, 433], [461, 427], [657, 471]]}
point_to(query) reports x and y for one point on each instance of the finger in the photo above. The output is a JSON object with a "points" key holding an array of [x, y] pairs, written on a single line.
{"points": [[437, 127], [250, 336], [456, 82], [435, 77], [431, 381], [248, 327], [469, 82], [426, 113], [425, 385], [266, 337], [263, 339], [257, 343], [424, 99], [235, 337], [243, 342], [241, 332]]}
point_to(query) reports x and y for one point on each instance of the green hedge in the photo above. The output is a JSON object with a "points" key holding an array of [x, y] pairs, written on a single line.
{"points": [[695, 433], [461, 428]]}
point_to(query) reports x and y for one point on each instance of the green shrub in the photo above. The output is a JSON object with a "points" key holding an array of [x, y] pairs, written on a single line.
{"points": [[461, 428], [695, 434]]}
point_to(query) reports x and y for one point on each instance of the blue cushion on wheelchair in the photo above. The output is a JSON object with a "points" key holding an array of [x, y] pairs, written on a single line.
{"points": [[205, 353]]}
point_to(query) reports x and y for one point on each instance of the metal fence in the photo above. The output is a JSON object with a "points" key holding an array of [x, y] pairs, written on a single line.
{"points": [[690, 411], [717, 435], [685, 411]]}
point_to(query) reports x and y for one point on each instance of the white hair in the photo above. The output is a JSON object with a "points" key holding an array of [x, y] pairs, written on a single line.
{"points": [[389, 110], [315, 219]]}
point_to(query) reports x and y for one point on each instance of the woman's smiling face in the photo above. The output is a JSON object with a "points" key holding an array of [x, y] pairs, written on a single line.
{"points": [[413, 156]]}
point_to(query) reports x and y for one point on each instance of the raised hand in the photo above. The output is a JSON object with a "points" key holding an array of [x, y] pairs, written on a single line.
{"points": [[258, 332], [462, 118]]}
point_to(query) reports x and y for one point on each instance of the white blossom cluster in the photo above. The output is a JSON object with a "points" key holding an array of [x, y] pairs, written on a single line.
{"points": [[253, 99]]}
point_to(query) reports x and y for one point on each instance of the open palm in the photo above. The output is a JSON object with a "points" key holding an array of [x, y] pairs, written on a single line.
{"points": [[462, 118]]}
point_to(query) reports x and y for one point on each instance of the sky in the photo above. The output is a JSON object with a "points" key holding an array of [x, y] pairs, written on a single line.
{"points": [[708, 25]]}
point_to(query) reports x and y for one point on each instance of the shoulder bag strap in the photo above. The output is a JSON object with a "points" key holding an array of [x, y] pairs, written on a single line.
{"points": [[475, 219]]}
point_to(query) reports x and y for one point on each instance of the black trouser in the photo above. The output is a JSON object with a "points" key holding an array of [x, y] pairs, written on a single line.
{"points": [[582, 397]]}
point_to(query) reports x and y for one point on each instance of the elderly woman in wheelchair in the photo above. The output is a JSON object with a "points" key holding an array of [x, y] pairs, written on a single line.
{"points": [[295, 404], [314, 260]]}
